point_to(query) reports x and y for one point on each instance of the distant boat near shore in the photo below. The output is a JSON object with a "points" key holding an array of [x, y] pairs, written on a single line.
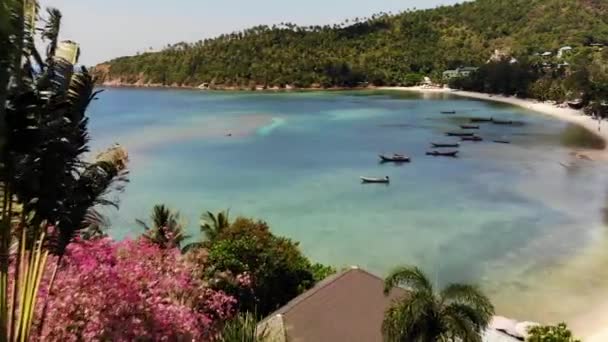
{"points": [[482, 119], [502, 122], [395, 158], [469, 126], [448, 112], [442, 154], [442, 145], [459, 134], [502, 141], [473, 138], [384, 180]]}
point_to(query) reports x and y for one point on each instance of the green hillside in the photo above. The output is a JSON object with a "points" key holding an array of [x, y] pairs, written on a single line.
{"points": [[382, 49]]}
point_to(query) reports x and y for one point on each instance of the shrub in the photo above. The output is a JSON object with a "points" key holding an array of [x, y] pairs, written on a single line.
{"points": [[130, 290], [558, 333], [278, 271]]}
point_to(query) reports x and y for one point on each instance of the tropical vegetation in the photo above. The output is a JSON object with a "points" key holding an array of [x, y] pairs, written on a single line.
{"points": [[384, 49], [557, 333], [458, 312], [278, 271], [50, 192]]}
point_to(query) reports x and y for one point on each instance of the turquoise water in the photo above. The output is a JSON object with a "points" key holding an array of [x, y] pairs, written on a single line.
{"points": [[499, 215]]}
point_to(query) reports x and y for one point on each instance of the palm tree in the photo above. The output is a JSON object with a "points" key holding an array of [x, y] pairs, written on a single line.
{"points": [[458, 313], [48, 189], [212, 225], [167, 230]]}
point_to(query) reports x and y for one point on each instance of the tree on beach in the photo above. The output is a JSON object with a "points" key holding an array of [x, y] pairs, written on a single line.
{"points": [[458, 312]]}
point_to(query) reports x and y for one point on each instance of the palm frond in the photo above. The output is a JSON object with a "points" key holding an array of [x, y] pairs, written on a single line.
{"points": [[409, 277], [50, 32], [468, 295]]}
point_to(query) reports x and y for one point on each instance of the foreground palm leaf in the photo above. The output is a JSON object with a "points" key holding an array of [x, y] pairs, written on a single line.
{"points": [[49, 191], [457, 313]]}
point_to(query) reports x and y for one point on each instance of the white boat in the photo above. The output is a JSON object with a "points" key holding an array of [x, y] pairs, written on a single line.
{"points": [[375, 180]]}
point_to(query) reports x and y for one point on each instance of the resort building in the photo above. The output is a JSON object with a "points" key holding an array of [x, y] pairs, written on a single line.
{"points": [[349, 306], [459, 72], [563, 50]]}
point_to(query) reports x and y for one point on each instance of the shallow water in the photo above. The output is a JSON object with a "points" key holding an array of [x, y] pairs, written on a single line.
{"points": [[512, 218]]}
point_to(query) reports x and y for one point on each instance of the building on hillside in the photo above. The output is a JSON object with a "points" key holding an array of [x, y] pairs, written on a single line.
{"points": [[348, 306], [563, 50], [547, 54], [459, 72]]}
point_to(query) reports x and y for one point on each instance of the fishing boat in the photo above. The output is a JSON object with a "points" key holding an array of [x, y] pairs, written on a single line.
{"points": [[459, 134], [442, 154], [448, 112], [440, 145], [469, 126], [375, 180], [578, 104], [395, 158], [502, 122], [502, 141], [482, 119], [473, 138]]}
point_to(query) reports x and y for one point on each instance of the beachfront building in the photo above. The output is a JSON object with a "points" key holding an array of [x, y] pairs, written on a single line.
{"points": [[348, 306], [459, 72], [563, 51]]}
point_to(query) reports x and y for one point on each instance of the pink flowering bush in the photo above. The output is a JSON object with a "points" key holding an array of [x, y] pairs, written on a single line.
{"points": [[126, 291]]}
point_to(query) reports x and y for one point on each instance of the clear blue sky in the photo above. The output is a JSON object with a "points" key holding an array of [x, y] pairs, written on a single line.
{"points": [[112, 28]]}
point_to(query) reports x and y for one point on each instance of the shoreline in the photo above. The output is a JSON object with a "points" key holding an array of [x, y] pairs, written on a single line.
{"points": [[594, 323], [574, 116]]}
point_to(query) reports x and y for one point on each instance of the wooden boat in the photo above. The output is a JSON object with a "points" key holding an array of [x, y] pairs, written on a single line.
{"points": [[459, 134], [502, 122], [578, 104], [385, 180], [439, 145], [395, 158], [502, 141], [448, 112], [473, 138], [469, 126], [442, 154], [482, 119]]}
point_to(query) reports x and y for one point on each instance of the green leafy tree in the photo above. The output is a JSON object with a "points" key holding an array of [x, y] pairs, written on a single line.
{"points": [[166, 230], [558, 333], [458, 312], [278, 270]]}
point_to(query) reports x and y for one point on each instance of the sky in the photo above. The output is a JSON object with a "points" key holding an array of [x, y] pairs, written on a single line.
{"points": [[107, 29]]}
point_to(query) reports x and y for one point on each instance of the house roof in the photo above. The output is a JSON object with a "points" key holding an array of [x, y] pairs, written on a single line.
{"points": [[348, 306]]}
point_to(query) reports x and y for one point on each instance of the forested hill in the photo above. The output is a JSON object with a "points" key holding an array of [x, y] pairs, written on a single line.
{"points": [[382, 49]]}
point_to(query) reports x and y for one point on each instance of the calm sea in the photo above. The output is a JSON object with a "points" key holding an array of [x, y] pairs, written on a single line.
{"points": [[524, 220]]}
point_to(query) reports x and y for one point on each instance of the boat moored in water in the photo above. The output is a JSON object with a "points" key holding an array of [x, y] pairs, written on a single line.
{"points": [[502, 122], [395, 158], [502, 141], [473, 138], [442, 154], [448, 112], [459, 134], [469, 126], [482, 119], [385, 180], [442, 145]]}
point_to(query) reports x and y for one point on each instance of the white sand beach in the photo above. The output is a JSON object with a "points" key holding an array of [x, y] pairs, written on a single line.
{"points": [[593, 326]]}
